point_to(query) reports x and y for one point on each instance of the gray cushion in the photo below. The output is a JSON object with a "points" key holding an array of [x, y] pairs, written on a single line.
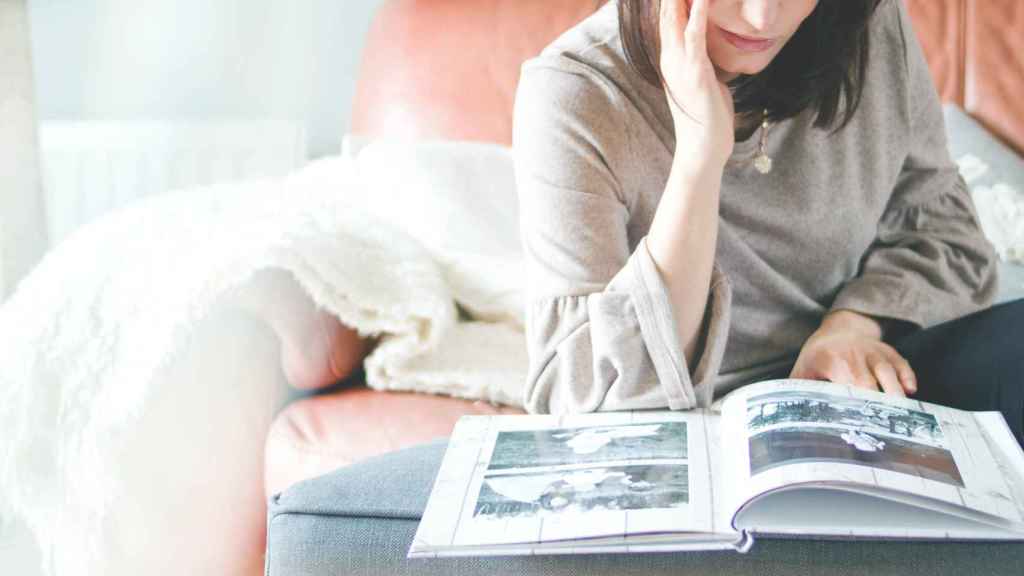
{"points": [[969, 144], [969, 138], [1011, 282], [361, 519]]}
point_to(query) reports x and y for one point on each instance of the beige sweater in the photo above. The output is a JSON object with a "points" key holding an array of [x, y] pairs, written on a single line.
{"points": [[874, 219]]}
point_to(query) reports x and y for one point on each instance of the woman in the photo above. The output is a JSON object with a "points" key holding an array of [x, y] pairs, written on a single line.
{"points": [[718, 193]]}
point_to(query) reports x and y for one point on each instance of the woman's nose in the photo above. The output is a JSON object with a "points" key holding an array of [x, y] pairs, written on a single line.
{"points": [[760, 14]]}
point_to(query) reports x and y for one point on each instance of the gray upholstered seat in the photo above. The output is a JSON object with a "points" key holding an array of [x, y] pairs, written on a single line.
{"points": [[361, 518]]}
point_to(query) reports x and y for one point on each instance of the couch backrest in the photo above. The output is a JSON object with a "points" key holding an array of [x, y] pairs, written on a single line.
{"points": [[449, 68], [975, 54]]}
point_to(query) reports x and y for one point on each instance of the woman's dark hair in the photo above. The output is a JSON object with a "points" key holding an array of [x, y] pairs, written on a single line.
{"points": [[822, 66]]}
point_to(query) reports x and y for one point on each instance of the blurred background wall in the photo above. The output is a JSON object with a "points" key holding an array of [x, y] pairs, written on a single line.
{"points": [[140, 97], [22, 215], [201, 60], [126, 88]]}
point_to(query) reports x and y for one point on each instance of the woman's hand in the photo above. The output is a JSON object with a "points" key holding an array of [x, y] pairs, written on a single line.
{"points": [[701, 105], [848, 349]]}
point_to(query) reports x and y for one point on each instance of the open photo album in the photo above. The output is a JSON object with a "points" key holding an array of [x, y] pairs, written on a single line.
{"points": [[782, 458]]}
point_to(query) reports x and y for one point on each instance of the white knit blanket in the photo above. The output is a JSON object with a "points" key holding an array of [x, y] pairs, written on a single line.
{"points": [[102, 318]]}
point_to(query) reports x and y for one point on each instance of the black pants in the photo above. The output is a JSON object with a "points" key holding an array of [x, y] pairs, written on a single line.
{"points": [[975, 362]]}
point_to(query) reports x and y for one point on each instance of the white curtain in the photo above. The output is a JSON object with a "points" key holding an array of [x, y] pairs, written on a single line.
{"points": [[22, 218]]}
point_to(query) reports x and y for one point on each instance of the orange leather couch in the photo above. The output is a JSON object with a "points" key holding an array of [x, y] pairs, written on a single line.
{"points": [[421, 56]]}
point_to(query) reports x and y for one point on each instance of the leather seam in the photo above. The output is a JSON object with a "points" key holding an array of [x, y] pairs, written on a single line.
{"points": [[962, 42], [304, 447]]}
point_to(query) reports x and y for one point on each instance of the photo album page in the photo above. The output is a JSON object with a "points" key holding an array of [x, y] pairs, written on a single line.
{"points": [[789, 433], [618, 480], [783, 457]]}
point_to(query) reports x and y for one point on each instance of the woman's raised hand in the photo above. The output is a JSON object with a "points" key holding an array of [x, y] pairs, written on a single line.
{"points": [[701, 105]]}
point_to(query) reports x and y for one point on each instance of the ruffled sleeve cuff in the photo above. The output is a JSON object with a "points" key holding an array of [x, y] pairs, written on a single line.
{"points": [[656, 318]]}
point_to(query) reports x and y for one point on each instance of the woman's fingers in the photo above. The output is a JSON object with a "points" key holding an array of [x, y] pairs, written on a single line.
{"points": [[851, 372], [838, 371], [672, 22], [685, 28], [908, 380], [697, 29], [864, 363], [863, 375], [905, 376], [884, 371]]}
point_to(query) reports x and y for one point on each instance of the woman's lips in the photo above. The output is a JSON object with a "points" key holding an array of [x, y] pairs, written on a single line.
{"points": [[746, 43]]}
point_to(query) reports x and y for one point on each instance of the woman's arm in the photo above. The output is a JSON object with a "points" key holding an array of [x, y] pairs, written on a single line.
{"points": [[600, 322], [929, 263], [604, 325], [682, 243], [684, 233]]}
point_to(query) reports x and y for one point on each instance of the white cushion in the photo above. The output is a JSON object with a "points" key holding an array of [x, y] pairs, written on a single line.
{"points": [[995, 176]]}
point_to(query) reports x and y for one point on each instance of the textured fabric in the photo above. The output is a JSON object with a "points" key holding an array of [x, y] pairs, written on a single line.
{"points": [[361, 519], [82, 366], [874, 219]]}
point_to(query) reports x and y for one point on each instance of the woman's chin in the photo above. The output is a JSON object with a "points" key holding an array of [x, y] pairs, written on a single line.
{"points": [[739, 64], [732, 71], [725, 75]]}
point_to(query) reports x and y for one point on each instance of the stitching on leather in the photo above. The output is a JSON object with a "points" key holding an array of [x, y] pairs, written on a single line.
{"points": [[304, 447], [962, 48]]}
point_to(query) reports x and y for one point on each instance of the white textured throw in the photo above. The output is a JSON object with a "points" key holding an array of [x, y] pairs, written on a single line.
{"points": [[392, 244]]}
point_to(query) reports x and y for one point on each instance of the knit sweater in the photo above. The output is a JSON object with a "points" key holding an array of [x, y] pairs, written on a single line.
{"points": [[874, 218]]}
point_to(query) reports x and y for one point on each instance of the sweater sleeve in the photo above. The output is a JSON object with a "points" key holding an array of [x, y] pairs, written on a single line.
{"points": [[930, 261], [600, 327]]}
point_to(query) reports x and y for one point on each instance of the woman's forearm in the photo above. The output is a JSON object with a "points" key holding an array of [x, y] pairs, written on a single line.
{"points": [[682, 243]]}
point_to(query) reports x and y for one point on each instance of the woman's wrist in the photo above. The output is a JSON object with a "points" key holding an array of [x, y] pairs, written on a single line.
{"points": [[698, 170], [849, 321]]}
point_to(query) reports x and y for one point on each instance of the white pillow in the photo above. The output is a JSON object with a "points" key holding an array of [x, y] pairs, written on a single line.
{"points": [[995, 176], [458, 198]]}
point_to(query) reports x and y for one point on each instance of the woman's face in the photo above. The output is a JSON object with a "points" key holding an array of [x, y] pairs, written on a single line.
{"points": [[745, 35]]}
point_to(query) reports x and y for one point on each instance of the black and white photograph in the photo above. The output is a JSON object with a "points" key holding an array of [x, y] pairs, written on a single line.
{"points": [[800, 444], [866, 416], [798, 427], [635, 487], [590, 444]]}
